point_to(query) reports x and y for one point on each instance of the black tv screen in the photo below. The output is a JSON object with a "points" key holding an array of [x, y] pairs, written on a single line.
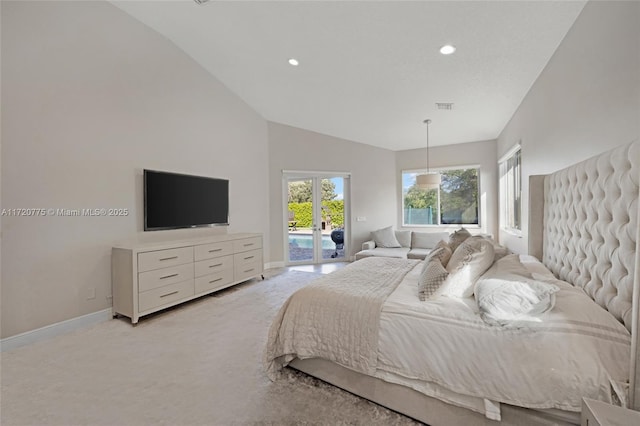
{"points": [[173, 200]]}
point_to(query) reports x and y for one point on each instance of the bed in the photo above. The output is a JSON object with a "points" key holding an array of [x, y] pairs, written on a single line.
{"points": [[364, 329]]}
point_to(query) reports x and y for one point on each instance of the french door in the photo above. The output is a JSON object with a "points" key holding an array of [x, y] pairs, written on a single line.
{"points": [[316, 217]]}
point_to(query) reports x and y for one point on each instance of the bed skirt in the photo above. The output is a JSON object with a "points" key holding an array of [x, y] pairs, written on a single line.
{"points": [[421, 407]]}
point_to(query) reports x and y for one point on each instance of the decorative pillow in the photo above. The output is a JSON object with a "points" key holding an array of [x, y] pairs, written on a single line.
{"points": [[431, 279], [404, 238], [509, 264], [442, 252], [458, 238], [385, 237], [499, 250], [427, 240], [434, 254], [468, 262], [505, 299]]}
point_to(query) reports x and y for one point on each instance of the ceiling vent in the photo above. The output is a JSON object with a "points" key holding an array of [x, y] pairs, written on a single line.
{"points": [[444, 105]]}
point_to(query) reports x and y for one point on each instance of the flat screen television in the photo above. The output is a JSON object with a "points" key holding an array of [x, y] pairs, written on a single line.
{"points": [[173, 200]]}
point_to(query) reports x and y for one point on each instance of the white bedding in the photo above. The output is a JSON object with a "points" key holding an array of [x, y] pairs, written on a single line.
{"points": [[336, 316], [442, 347]]}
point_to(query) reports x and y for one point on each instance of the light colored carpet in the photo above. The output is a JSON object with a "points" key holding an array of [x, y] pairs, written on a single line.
{"points": [[197, 364]]}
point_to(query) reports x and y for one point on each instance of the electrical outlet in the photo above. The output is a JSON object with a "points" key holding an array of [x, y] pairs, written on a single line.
{"points": [[361, 219], [91, 293]]}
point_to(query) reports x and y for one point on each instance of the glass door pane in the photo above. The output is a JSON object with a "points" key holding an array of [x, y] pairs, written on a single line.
{"points": [[332, 213], [300, 221]]}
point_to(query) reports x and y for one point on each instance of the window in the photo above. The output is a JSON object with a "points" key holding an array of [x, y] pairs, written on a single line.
{"points": [[511, 191], [454, 202]]}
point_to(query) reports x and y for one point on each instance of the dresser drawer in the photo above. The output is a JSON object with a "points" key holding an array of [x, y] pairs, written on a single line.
{"points": [[248, 264], [165, 276], [214, 281], [208, 251], [247, 244], [248, 270], [151, 260], [245, 258], [210, 266], [165, 296]]}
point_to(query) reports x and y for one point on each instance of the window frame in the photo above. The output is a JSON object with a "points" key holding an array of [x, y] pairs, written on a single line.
{"points": [[508, 187], [440, 225]]}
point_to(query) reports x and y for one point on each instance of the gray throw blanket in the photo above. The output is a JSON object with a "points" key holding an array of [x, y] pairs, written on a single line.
{"points": [[336, 317]]}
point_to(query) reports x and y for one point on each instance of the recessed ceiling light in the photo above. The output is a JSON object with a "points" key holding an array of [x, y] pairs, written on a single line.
{"points": [[447, 49], [294, 62]]}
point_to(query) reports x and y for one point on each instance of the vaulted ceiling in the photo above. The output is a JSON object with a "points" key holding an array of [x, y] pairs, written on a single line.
{"points": [[371, 71]]}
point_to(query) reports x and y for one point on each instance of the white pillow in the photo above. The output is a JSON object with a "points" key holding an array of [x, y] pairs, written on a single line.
{"points": [[458, 238], [468, 262], [404, 238], [508, 298], [499, 250], [432, 277], [385, 237], [508, 264]]}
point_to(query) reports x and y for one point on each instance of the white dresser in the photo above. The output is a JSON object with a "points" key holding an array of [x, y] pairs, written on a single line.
{"points": [[149, 277]]}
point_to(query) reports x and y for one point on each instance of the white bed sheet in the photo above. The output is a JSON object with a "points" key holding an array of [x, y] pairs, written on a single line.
{"points": [[443, 349]]}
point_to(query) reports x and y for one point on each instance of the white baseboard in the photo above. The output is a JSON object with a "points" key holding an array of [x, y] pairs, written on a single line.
{"points": [[53, 330], [272, 265]]}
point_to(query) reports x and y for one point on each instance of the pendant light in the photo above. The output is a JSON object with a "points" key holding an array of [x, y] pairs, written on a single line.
{"points": [[428, 180]]}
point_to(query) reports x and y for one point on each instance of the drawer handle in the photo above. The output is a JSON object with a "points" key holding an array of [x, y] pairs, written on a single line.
{"points": [[211, 282], [250, 257], [217, 264], [248, 245], [168, 258], [214, 250], [169, 294], [249, 270], [169, 276]]}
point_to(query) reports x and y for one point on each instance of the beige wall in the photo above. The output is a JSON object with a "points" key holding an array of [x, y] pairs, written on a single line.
{"points": [[373, 185], [90, 97], [586, 101], [467, 154]]}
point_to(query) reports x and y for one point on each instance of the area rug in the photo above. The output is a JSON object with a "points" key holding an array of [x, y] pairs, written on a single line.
{"points": [[196, 364]]}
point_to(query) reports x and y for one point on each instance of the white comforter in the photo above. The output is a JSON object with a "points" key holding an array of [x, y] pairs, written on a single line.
{"points": [[576, 350]]}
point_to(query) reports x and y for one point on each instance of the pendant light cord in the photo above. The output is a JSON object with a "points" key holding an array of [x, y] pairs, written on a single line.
{"points": [[427, 121]]}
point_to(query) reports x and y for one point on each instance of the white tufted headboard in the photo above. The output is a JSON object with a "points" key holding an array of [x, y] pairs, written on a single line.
{"points": [[584, 226], [590, 227]]}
